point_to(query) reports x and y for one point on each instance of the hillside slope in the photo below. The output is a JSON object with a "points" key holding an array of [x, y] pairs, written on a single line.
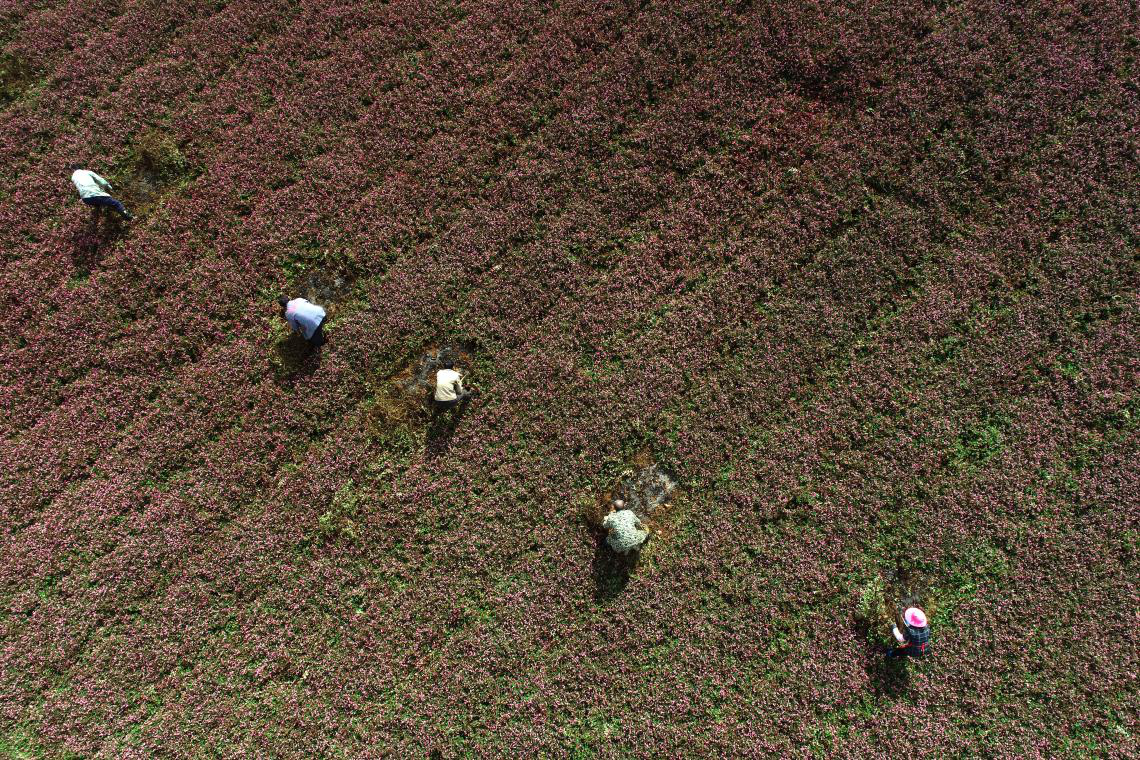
{"points": [[861, 276]]}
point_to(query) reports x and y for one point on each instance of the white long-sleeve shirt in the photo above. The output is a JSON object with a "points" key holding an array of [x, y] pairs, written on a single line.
{"points": [[304, 316], [448, 385], [89, 184]]}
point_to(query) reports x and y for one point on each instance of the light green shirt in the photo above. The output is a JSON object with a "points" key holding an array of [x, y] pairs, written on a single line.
{"points": [[89, 184], [625, 531]]}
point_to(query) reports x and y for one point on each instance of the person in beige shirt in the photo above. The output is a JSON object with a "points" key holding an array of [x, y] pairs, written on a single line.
{"points": [[449, 390]]}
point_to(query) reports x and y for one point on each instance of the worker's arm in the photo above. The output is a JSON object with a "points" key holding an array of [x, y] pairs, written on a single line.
{"points": [[100, 181], [458, 385], [899, 636]]}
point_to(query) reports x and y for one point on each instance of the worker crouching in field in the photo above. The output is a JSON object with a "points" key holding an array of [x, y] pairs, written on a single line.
{"points": [[624, 531], [450, 394], [306, 318], [914, 638], [94, 191]]}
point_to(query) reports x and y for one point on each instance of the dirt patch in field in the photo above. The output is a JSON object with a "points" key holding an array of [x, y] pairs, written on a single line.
{"points": [[324, 273], [647, 488], [326, 288], [883, 598], [154, 168], [15, 77], [908, 587], [403, 397]]}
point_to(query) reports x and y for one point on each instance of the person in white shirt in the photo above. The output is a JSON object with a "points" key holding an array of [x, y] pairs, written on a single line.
{"points": [[449, 391], [94, 191], [306, 318]]}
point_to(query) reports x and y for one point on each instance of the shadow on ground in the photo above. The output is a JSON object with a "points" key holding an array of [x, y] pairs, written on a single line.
{"points": [[295, 360], [888, 676], [611, 570], [93, 238], [442, 426]]}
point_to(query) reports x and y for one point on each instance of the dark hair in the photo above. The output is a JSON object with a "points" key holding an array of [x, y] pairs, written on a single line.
{"points": [[283, 300], [448, 363], [74, 167]]}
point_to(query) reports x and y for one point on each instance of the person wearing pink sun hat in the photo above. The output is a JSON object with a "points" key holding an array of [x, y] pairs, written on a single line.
{"points": [[914, 639]]}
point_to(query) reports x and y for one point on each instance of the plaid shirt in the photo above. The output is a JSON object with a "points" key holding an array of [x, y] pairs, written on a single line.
{"points": [[917, 637]]}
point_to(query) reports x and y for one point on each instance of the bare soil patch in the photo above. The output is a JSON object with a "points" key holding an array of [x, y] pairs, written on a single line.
{"points": [[15, 77], [327, 288], [154, 168], [647, 488], [403, 398]]}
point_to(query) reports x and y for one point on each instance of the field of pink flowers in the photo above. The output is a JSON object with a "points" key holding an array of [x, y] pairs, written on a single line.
{"points": [[861, 275]]}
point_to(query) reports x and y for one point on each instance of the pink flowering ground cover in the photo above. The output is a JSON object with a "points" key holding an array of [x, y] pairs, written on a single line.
{"points": [[861, 276]]}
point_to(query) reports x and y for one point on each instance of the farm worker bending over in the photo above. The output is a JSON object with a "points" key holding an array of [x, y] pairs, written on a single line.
{"points": [[93, 190], [449, 392], [624, 530], [915, 636], [306, 318]]}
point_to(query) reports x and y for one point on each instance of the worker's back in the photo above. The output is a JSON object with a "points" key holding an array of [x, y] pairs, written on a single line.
{"points": [[448, 385], [305, 316], [86, 182], [918, 637], [624, 530]]}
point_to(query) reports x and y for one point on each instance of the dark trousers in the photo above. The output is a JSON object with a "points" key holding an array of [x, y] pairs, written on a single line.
{"points": [[443, 407], [911, 651], [106, 201], [455, 408], [318, 338]]}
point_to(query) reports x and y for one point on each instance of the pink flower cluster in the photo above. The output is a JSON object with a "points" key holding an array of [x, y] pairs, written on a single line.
{"points": [[862, 275]]}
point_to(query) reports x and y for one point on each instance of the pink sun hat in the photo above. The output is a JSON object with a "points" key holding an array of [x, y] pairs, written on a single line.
{"points": [[915, 617]]}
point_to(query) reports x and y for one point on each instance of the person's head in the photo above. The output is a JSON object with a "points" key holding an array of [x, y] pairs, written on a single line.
{"points": [[914, 617], [448, 364], [283, 301], [618, 505], [73, 167]]}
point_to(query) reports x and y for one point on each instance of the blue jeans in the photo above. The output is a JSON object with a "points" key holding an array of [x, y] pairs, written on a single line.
{"points": [[106, 201]]}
